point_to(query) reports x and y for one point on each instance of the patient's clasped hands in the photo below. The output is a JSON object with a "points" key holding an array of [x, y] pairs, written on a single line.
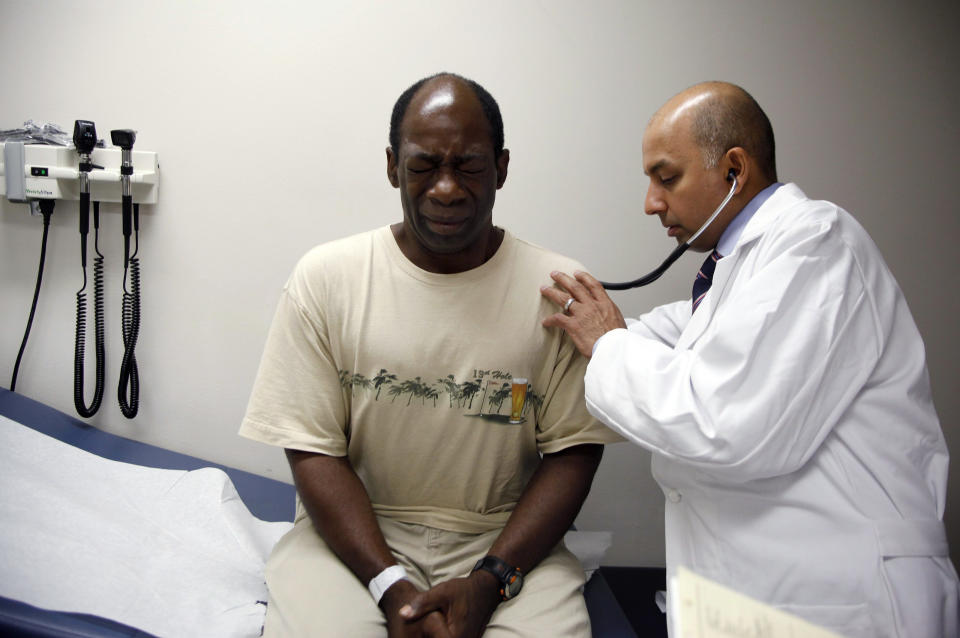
{"points": [[457, 608]]}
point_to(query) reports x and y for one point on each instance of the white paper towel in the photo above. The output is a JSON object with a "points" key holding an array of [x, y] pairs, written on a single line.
{"points": [[171, 552]]}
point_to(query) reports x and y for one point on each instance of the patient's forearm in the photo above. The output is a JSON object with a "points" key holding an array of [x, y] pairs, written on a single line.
{"points": [[340, 510], [545, 511], [548, 506]]}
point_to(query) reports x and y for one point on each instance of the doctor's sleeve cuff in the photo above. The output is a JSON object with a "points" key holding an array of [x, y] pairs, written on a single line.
{"points": [[596, 344]]}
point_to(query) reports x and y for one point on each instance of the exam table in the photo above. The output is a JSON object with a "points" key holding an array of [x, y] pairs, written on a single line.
{"points": [[267, 504]]}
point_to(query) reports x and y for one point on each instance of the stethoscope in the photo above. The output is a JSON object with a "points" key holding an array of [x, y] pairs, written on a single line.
{"points": [[651, 277]]}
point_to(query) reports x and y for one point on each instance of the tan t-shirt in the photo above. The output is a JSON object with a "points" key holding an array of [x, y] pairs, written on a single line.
{"points": [[409, 373]]}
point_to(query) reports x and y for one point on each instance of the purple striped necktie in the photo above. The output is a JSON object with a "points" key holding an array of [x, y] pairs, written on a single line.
{"points": [[704, 278]]}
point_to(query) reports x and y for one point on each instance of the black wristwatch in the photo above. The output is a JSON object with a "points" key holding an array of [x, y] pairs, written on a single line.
{"points": [[511, 579]]}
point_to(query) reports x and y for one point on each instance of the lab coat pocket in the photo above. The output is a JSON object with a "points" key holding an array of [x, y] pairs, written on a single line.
{"points": [[922, 594], [850, 621]]}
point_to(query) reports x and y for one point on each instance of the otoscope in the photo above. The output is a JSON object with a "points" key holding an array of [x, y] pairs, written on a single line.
{"points": [[129, 373], [651, 277], [85, 138], [124, 138]]}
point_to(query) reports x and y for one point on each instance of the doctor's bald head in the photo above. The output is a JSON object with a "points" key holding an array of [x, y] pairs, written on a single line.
{"points": [[723, 116]]}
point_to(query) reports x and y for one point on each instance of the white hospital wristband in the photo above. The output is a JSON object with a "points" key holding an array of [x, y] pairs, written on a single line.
{"points": [[384, 580]]}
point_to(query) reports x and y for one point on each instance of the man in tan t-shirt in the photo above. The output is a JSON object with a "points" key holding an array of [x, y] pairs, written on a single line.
{"points": [[429, 503]]}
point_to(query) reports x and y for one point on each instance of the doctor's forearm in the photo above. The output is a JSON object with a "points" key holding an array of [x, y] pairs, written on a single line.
{"points": [[548, 506]]}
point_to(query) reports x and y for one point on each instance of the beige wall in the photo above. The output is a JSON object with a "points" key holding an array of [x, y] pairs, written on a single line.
{"points": [[271, 118]]}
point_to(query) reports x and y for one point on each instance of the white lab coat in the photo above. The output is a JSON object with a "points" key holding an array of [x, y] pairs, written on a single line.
{"points": [[792, 428]]}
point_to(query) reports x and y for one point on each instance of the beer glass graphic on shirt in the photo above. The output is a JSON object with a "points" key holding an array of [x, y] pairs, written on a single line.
{"points": [[518, 395]]}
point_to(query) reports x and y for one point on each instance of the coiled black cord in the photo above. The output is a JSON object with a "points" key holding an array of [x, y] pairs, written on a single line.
{"points": [[128, 390], [46, 208], [98, 319]]}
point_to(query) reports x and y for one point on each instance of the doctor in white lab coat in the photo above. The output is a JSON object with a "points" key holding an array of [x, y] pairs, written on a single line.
{"points": [[789, 415]]}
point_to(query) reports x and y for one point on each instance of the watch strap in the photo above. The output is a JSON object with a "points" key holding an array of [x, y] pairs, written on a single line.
{"points": [[504, 572]]}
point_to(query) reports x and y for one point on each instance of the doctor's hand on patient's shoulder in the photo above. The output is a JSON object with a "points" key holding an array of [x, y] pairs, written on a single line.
{"points": [[428, 625], [586, 311], [465, 603]]}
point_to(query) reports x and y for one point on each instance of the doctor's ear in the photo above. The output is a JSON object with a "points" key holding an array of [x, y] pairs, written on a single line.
{"points": [[737, 163]]}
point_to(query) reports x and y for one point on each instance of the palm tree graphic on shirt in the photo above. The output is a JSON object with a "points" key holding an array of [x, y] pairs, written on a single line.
{"points": [[492, 386]]}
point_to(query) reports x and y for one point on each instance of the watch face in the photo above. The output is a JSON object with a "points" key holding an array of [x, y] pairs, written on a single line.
{"points": [[513, 584]]}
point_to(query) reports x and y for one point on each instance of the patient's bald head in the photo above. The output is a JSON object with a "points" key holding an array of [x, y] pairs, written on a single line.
{"points": [[491, 109]]}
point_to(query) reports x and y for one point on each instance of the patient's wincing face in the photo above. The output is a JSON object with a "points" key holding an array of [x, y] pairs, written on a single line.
{"points": [[445, 168]]}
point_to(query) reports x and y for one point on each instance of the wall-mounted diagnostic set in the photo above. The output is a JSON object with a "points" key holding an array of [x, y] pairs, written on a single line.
{"points": [[87, 171]]}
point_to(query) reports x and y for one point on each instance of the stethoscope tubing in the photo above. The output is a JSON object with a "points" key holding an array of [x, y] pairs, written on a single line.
{"points": [[651, 277]]}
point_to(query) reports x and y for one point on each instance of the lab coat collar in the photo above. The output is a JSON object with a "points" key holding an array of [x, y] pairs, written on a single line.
{"points": [[731, 234], [782, 199], [786, 196]]}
